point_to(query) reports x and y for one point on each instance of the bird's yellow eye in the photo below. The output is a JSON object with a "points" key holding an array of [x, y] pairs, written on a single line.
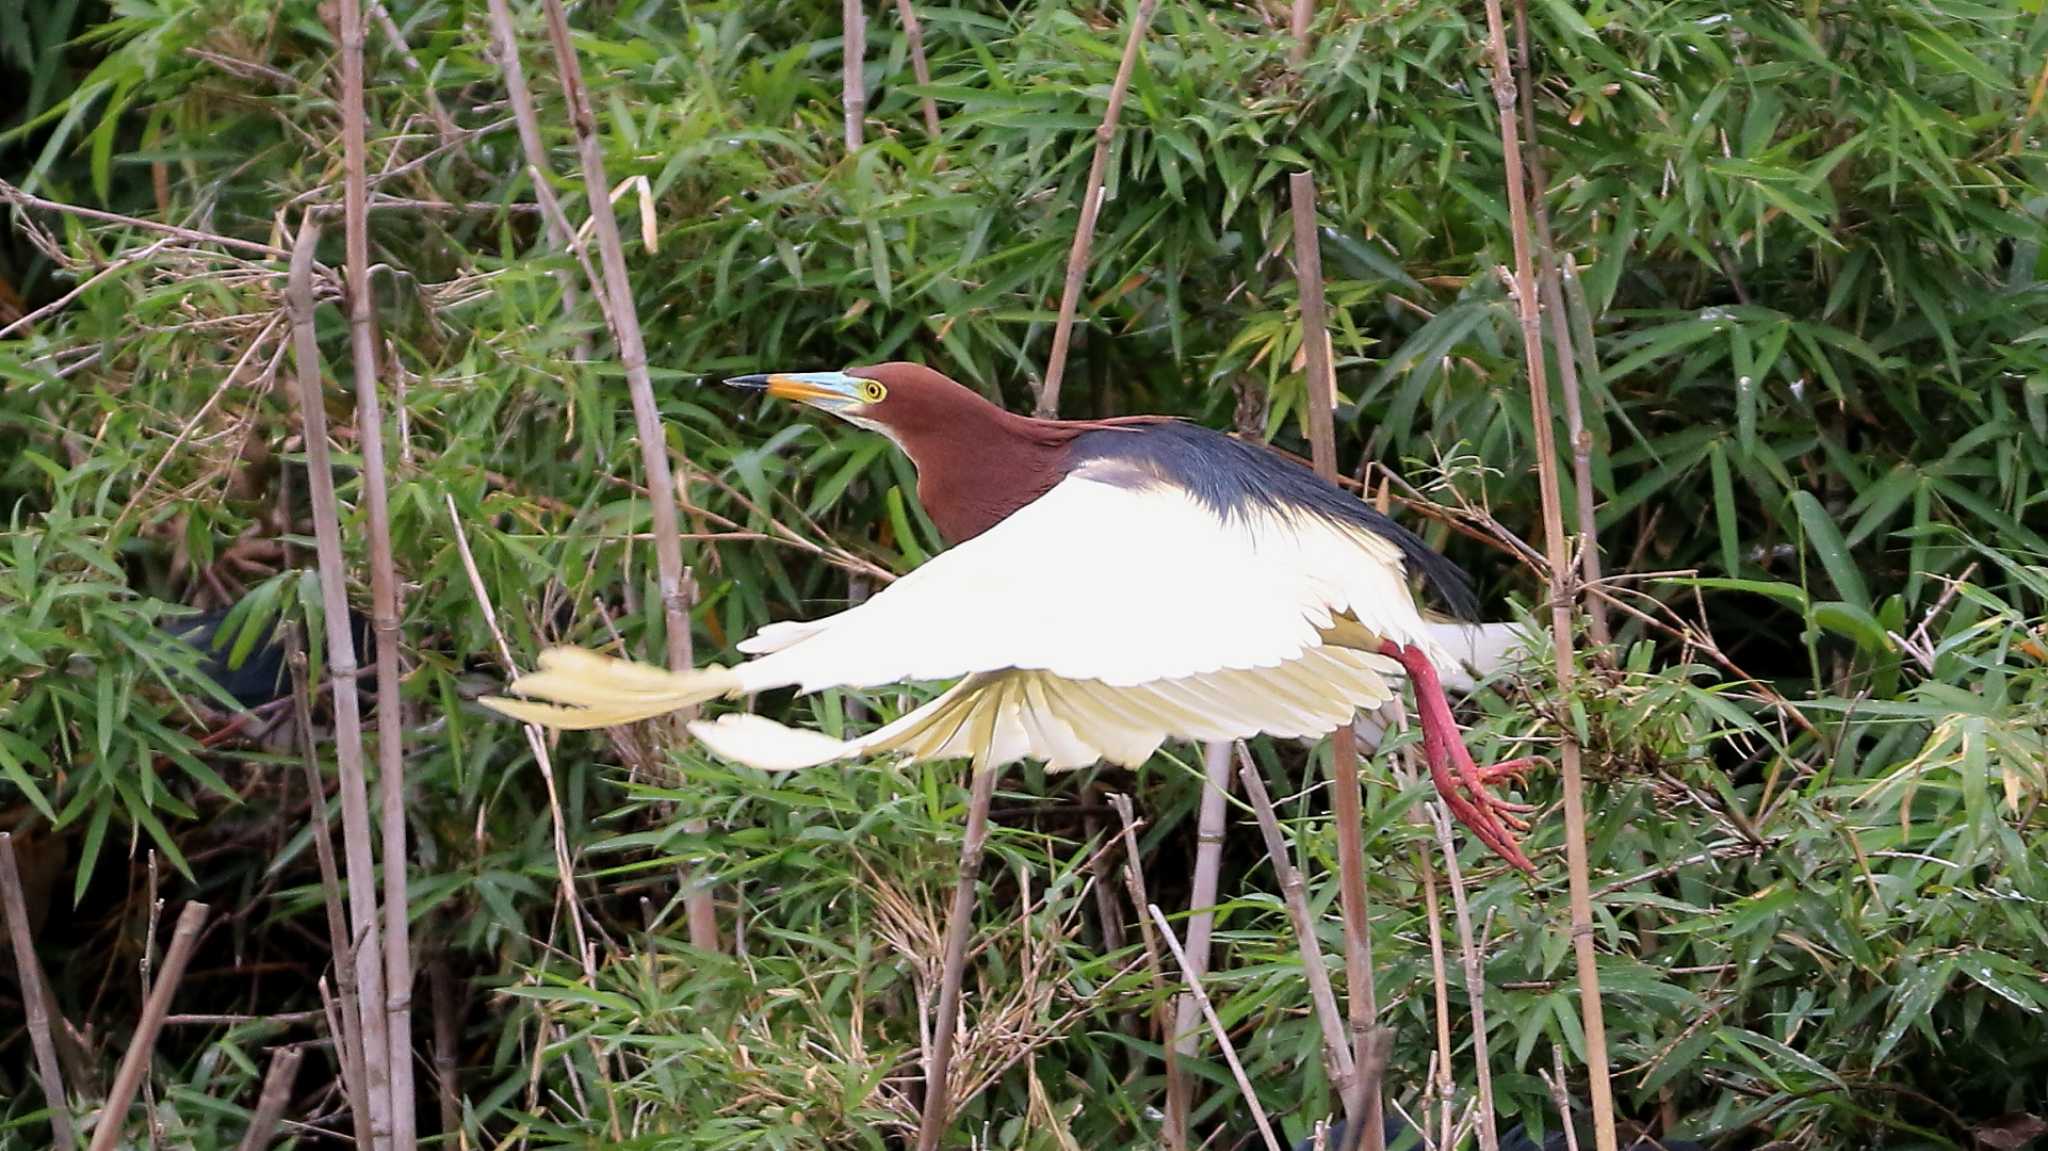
{"points": [[872, 392]]}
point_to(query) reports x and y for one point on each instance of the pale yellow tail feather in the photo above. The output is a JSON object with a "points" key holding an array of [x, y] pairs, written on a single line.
{"points": [[580, 690]]}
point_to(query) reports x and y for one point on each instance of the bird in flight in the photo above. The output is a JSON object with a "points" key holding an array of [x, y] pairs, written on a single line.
{"points": [[1109, 585]]}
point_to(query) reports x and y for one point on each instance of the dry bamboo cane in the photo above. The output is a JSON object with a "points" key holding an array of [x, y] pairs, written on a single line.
{"points": [[135, 1062], [1201, 998], [277, 1094], [1134, 882], [1209, 828], [914, 32], [938, 1101], [1048, 406], [1337, 1056], [397, 1003], [527, 120], [853, 88], [1562, 594], [29, 973], [661, 484], [1362, 1100], [366, 945], [1475, 977], [1552, 296], [348, 1041]]}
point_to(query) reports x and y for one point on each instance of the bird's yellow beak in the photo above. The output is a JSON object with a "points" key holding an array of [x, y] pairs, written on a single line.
{"points": [[829, 390]]}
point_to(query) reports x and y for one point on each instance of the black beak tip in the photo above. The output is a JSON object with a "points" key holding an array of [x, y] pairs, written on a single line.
{"points": [[758, 380]]}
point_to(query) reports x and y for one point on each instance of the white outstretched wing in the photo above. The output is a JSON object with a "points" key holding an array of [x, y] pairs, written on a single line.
{"points": [[1122, 580]]}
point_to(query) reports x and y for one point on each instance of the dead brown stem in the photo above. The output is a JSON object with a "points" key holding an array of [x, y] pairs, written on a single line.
{"points": [[1475, 976], [1366, 1129], [13, 195], [1410, 771], [1091, 205], [938, 1099], [1337, 1057], [362, 330], [1209, 828], [349, 1040], [366, 944], [505, 34], [447, 1037], [853, 87], [914, 33], [451, 136], [277, 1094], [1134, 881], [1558, 549], [1201, 998], [29, 973], [661, 486], [135, 1062], [1552, 297], [1559, 1095]]}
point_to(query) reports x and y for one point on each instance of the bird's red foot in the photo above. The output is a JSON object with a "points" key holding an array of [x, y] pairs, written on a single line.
{"points": [[1493, 819]]}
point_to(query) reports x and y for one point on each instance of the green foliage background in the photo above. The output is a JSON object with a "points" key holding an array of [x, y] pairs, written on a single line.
{"points": [[1807, 239]]}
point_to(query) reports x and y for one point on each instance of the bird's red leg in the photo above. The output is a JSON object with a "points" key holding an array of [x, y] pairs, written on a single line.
{"points": [[1488, 815]]}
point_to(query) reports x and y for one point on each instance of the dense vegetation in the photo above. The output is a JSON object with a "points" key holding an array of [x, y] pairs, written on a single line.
{"points": [[1814, 347]]}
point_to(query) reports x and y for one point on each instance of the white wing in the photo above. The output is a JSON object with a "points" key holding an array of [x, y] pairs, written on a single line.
{"points": [[1120, 582]]}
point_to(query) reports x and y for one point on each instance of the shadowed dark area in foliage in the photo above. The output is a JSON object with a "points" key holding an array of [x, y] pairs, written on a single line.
{"points": [[1401, 1137], [1230, 475], [260, 675]]}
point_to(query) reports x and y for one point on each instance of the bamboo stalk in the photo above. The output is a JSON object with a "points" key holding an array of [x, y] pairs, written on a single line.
{"points": [[1337, 1055], [447, 1036], [1552, 297], [1048, 406], [362, 330], [914, 32], [1201, 998], [1209, 827], [1300, 17], [349, 1040], [1475, 976], [29, 973], [1134, 882], [1561, 590], [527, 120], [366, 943], [1367, 1128], [1433, 909], [853, 86], [661, 485], [135, 1062], [277, 1094], [938, 1101]]}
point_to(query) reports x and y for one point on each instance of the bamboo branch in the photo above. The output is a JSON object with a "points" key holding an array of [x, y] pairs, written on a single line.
{"points": [[1209, 827], [366, 944], [1407, 774], [1367, 1128], [348, 1040], [914, 32], [661, 486], [451, 136], [527, 119], [938, 1095], [1201, 998], [1337, 1055], [277, 1094], [1091, 205], [1552, 298], [1134, 881], [1562, 593], [362, 330], [135, 1062], [853, 87], [29, 973], [1475, 976]]}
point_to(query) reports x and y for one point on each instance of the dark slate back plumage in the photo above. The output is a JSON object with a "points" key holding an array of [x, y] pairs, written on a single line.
{"points": [[1229, 476]]}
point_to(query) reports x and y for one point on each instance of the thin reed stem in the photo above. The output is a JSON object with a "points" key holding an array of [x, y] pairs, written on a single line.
{"points": [[366, 946], [1209, 828], [29, 974], [277, 1095], [1048, 406], [1134, 882], [1562, 593], [1201, 998], [938, 1097], [142, 1045]]}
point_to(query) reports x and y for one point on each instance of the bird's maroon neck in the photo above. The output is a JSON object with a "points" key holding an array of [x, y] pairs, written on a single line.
{"points": [[981, 463]]}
